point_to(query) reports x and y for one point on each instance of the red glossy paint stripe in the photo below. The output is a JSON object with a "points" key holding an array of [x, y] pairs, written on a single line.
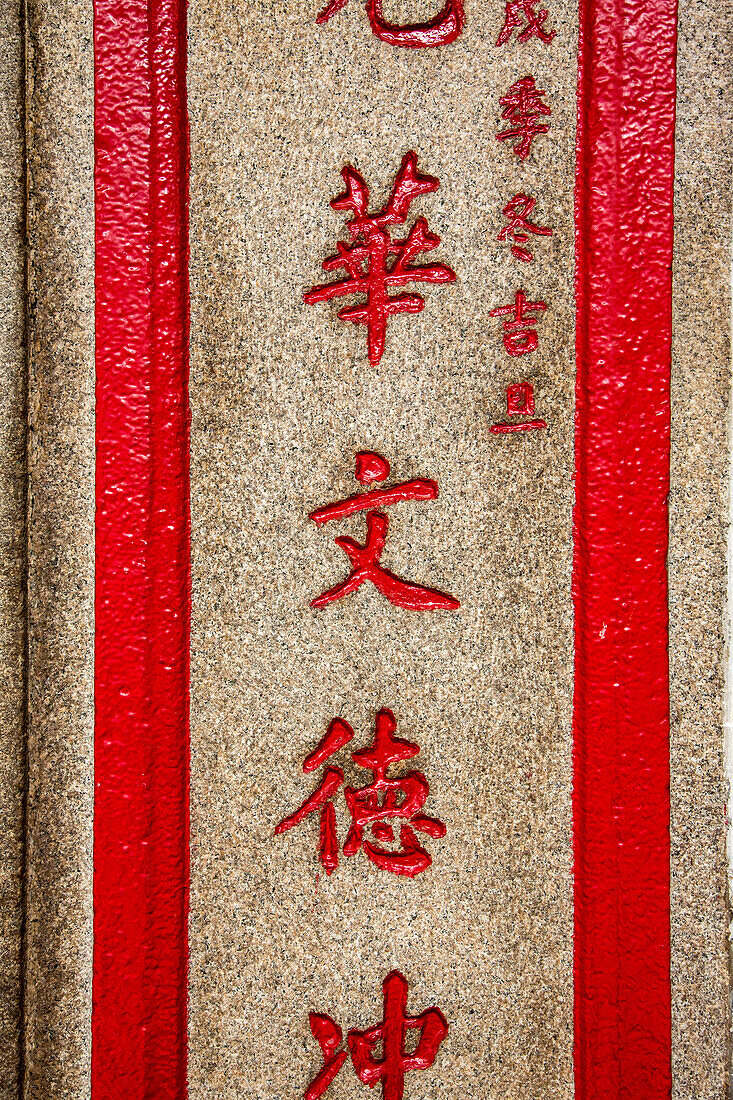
{"points": [[624, 221], [143, 552]]}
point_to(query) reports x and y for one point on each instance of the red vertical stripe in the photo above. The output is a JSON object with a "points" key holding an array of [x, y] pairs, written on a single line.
{"points": [[624, 220], [143, 552], [621, 803]]}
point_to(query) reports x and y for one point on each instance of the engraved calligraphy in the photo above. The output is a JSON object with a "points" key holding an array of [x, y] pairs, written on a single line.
{"points": [[374, 263]]}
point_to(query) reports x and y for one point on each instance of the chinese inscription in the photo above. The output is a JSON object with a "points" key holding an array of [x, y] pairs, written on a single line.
{"points": [[376, 266], [523, 108], [443, 29], [366, 559], [519, 227], [374, 262], [390, 1067], [520, 332], [519, 402], [374, 806]]}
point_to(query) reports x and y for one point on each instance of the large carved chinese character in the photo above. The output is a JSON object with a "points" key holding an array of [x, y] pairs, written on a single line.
{"points": [[444, 28], [366, 558], [389, 1069], [376, 264], [374, 806]]}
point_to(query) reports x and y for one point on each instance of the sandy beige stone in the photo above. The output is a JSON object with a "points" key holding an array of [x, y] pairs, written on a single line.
{"points": [[282, 397], [61, 550], [698, 507], [12, 544]]}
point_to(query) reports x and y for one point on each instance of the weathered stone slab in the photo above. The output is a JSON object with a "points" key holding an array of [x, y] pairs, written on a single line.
{"points": [[282, 397], [12, 545], [698, 526]]}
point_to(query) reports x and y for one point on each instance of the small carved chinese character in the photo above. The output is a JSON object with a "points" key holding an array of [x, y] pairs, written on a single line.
{"points": [[389, 1068], [523, 108], [375, 264], [373, 806], [370, 468], [517, 212], [522, 11], [444, 28], [520, 335], [519, 402]]}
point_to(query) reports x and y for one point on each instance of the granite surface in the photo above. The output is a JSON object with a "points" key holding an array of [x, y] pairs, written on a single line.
{"points": [[58, 949], [12, 544], [282, 397], [698, 520]]}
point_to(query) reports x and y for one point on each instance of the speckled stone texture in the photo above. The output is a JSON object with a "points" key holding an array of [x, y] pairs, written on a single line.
{"points": [[698, 511], [12, 544], [61, 550], [282, 397]]}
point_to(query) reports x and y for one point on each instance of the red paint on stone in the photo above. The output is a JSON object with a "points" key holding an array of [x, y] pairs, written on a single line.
{"points": [[143, 551], [443, 29], [520, 399], [524, 426], [394, 1062], [374, 262], [517, 212], [373, 806], [329, 1036], [370, 467], [378, 803], [520, 335], [523, 108], [390, 1068], [366, 558], [338, 734], [624, 222], [521, 16], [418, 489], [366, 566]]}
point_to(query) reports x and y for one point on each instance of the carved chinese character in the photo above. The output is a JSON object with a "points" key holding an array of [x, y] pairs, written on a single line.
{"points": [[520, 12], [519, 402], [520, 335], [328, 1035], [445, 27], [523, 108], [370, 468], [389, 1068], [517, 212], [374, 262], [374, 806]]}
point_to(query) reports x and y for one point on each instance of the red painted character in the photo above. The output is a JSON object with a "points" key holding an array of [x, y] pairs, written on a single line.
{"points": [[519, 402], [520, 335], [394, 1063], [445, 27], [517, 212], [374, 806], [522, 11], [523, 108], [375, 264], [370, 468]]}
